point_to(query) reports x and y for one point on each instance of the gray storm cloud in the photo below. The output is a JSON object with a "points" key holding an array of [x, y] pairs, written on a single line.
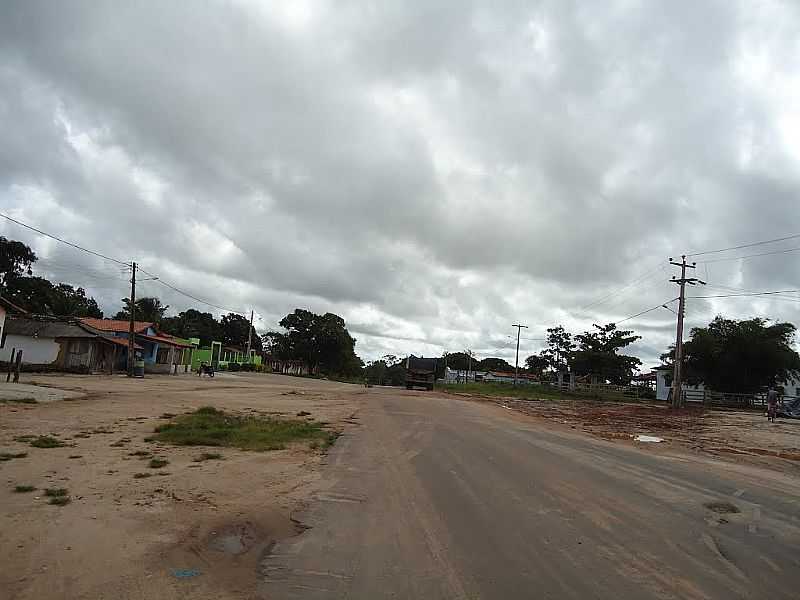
{"points": [[433, 172]]}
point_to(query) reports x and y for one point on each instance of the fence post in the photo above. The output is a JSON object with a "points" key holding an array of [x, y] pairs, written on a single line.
{"points": [[17, 366], [11, 364]]}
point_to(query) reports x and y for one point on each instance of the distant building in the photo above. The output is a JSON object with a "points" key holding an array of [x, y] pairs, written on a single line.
{"points": [[57, 344], [161, 352], [791, 387]]}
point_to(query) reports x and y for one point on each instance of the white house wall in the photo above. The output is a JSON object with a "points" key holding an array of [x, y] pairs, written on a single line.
{"points": [[38, 351]]}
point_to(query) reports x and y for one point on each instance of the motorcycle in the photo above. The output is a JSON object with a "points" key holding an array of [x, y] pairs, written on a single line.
{"points": [[205, 369]]}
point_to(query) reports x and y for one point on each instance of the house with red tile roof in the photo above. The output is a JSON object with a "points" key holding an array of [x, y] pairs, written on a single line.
{"points": [[161, 352]]}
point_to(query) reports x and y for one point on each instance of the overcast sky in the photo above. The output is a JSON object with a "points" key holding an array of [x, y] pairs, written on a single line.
{"points": [[433, 172]]}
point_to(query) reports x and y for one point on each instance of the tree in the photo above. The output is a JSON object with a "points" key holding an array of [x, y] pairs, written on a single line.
{"points": [[387, 370], [192, 323], [234, 332], [559, 348], [460, 361], [740, 356], [69, 301], [37, 295], [537, 364], [597, 354], [16, 260], [148, 309], [30, 293], [320, 340], [493, 364]]}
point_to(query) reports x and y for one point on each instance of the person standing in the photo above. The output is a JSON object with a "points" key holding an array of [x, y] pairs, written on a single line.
{"points": [[772, 403]]}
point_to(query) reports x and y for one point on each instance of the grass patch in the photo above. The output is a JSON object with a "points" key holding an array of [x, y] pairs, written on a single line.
{"points": [[22, 489], [157, 463], [59, 500], [723, 508], [47, 441], [141, 454], [4, 456], [142, 475], [167, 415], [209, 426], [21, 400], [24, 438], [208, 456], [55, 492], [75, 456]]}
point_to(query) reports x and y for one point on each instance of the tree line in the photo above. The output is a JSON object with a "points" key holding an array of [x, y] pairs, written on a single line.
{"points": [[320, 341], [727, 355]]}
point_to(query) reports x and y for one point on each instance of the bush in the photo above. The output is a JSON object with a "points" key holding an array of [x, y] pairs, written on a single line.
{"points": [[234, 367]]}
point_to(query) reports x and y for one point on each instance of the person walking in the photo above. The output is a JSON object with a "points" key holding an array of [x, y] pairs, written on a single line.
{"points": [[772, 403]]}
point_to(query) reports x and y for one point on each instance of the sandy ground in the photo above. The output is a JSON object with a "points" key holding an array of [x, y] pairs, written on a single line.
{"points": [[194, 529], [741, 436]]}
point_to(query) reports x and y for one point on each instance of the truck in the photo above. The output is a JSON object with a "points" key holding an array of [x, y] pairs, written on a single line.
{"points": [[420, 372]]}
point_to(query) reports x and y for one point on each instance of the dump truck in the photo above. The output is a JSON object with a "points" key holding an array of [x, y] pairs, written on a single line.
{"points": [[420, 372]]}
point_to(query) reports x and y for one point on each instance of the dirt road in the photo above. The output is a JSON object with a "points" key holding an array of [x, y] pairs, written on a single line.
{"points": [[423, 496], [134, 532], [432, 497]]}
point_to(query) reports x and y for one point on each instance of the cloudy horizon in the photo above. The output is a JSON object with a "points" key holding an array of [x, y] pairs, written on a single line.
{"points": [[432, 173]]}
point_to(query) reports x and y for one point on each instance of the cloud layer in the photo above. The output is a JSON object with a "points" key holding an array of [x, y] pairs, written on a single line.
{"points": [[431, 172]]}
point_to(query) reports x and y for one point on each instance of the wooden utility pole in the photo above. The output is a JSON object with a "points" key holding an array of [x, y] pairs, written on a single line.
{"points": [[249, 333], [516, 362], [132, 308], [677, 376]]}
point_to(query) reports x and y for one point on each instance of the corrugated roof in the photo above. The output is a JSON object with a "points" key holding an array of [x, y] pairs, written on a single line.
{"points": [[115, 325], [45, 328]]}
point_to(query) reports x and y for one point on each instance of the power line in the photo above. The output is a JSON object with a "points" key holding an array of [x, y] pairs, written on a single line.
{"points": [[120, 262], [610, 295], [750, 294], [726, 288], [746, 256], [188, 295], [58, 239], [781, 239], [644, 312]]}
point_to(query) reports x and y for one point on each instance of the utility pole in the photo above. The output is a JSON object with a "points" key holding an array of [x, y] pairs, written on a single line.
{"points": [[132, 308], [249, 334], [516, 362], [677, 383], [469, 364]]}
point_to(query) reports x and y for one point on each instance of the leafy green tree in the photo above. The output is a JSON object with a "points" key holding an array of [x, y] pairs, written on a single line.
{"points": [[597, 354], [16, 260], [69, 301], [740, 356], [320, 340], [387, 370], [192, 323], [148, 309], [537, 364], [30, 293], [560, 346], [460, 361], [38, 296], [234, 332], [493, 364]]}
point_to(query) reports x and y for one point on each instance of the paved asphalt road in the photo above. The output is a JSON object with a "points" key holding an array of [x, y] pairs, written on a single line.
{"points": [[433, 497]]}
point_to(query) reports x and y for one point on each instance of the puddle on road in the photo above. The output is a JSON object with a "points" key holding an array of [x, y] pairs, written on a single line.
{"points": [[235, 539]]}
